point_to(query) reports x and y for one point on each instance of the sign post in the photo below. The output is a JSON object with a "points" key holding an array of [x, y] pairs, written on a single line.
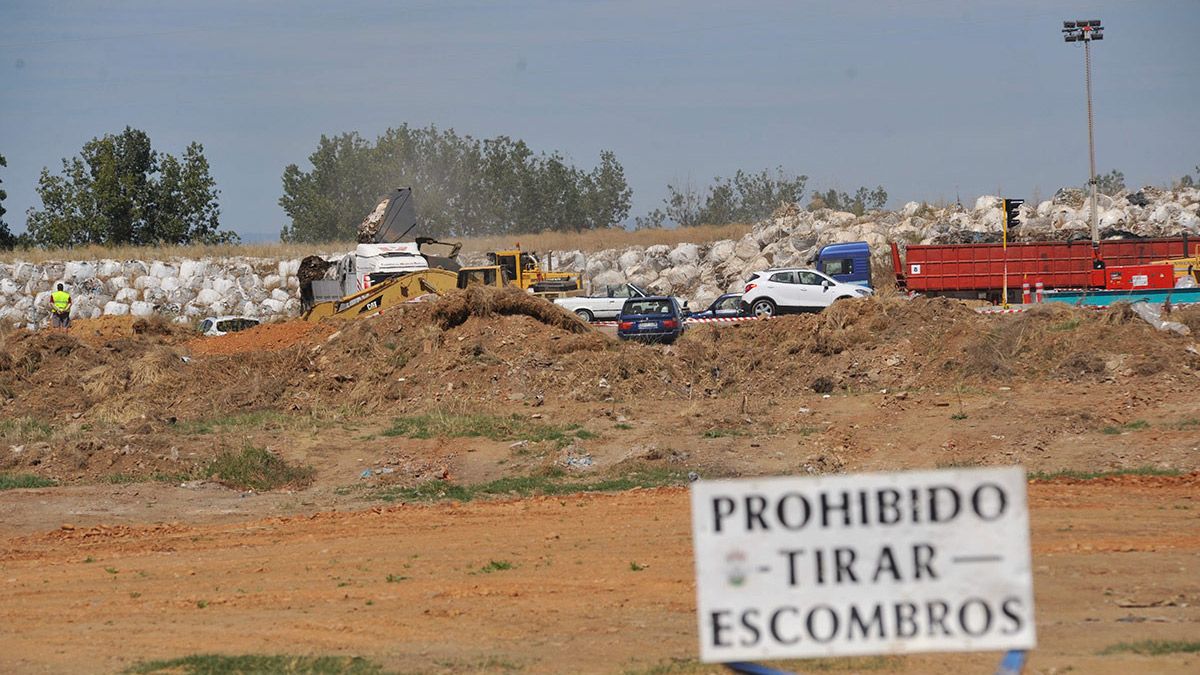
{"points": [[893, 563]]}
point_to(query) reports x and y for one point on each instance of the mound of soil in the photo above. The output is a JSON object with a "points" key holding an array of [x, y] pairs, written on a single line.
{"points": [[481, 347], [263, 337]]}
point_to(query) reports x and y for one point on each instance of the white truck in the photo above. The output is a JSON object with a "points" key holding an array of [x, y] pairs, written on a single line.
{"points": [[372, 263], [608, 305]]}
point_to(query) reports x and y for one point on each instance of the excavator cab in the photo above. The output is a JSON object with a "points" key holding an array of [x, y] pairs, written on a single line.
{"points": [[493, 276]]}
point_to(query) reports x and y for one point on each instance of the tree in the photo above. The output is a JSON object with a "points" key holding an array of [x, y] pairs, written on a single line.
{"points": [[1186, 182], [745, 198], [860, 202], [120, 191], [7, 240], [1109, 184], [462, 186]]}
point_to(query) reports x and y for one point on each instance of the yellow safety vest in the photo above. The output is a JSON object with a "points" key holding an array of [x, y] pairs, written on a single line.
{"points": [[61, 300]]}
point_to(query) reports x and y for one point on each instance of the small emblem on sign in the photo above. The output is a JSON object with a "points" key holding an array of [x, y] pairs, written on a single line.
{"points": [[736, 562], [914, 269]]}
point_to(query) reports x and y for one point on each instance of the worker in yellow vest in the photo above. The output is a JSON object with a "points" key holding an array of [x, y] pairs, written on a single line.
{"points": [[60, 309]]}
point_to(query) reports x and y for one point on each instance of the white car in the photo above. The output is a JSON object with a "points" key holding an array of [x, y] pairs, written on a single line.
{"points": [[220, 325], [608, 305], [778, 291]]}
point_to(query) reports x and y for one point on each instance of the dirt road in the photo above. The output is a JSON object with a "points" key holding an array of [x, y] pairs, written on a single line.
{"points": [[587, 583]]}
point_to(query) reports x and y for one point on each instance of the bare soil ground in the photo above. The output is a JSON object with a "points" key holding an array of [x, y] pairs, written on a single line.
{"points": [[148, 546]]}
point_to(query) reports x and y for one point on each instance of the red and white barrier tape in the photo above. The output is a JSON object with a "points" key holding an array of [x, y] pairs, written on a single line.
{"points": [[721, 319]]}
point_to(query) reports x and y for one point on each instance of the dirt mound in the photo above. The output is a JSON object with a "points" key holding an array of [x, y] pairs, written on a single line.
{"points": [[262, 338], [96, 332], [479, 301], [483, 347]]}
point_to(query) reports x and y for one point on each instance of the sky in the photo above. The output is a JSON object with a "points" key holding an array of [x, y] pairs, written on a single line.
{"points": [[932, 100]]}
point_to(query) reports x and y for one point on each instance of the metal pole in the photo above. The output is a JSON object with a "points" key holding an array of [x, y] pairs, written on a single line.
{"points": [[1087, 66], [1004, 248]]}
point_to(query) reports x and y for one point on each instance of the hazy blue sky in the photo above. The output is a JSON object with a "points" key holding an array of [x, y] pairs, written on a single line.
{"points": [[924, 97]]}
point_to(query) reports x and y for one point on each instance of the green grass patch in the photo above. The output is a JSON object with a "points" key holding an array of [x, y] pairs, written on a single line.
{"points": [[1188, 424], [1154, 647], [256, 469], [221, 664], [623, 426], [494, 427], [554, 483], [396, 578], [1092, 475], [959, 416], [11, 481], [25, 430], [1135, 425], [496, 566], [1070, 324], [254, 419], [635, 567]]}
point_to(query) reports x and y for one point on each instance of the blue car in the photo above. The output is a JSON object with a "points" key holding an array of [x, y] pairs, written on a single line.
{"points": [[652, 319], [728, 305]]}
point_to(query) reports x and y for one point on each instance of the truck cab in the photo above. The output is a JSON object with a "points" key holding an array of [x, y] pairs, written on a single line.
{"points": [[373, 263], [849, 262]]}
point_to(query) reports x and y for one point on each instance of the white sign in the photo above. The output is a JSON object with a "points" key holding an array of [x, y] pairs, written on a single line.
{"points": [[914, 268], [865, 564], [1140, 280]]}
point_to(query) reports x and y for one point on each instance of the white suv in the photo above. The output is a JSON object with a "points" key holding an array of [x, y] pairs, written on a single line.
{"points": [[777, 291]]}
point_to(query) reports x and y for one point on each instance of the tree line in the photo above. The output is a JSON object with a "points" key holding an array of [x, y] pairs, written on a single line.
{"points": [[119, 190], [464, 186]]}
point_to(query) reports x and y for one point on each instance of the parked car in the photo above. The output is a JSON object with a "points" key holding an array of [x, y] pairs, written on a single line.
{"points": [[653, 319], [220, 325], [606, 305], [779, 291], [728, 305]]}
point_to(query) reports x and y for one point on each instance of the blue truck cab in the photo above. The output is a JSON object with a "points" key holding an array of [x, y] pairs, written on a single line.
{"points": [[849, 262]]}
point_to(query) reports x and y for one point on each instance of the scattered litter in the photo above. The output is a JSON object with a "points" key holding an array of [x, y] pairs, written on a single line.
{"points": [[1152, 314], [579, 461]]}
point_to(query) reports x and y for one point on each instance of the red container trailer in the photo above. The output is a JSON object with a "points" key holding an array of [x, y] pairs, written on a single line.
{"points": [[977, 270]]}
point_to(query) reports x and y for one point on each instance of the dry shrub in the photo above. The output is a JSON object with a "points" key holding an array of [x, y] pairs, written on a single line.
{"points": [[999, 350], [155, 324], [104, 381], [454, 309], [589, 342], [1188, 316], [1118, 313], [153, 367]]}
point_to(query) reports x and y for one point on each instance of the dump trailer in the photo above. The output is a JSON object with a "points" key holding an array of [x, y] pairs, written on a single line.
{"points": [[976, 271]]}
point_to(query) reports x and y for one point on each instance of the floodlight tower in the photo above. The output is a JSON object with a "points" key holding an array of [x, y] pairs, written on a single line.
{"points": [[1085, 31]]}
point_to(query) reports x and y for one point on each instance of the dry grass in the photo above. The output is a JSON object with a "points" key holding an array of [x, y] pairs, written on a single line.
{"points": [[595, 240], [598, 240], [274, 250]]}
